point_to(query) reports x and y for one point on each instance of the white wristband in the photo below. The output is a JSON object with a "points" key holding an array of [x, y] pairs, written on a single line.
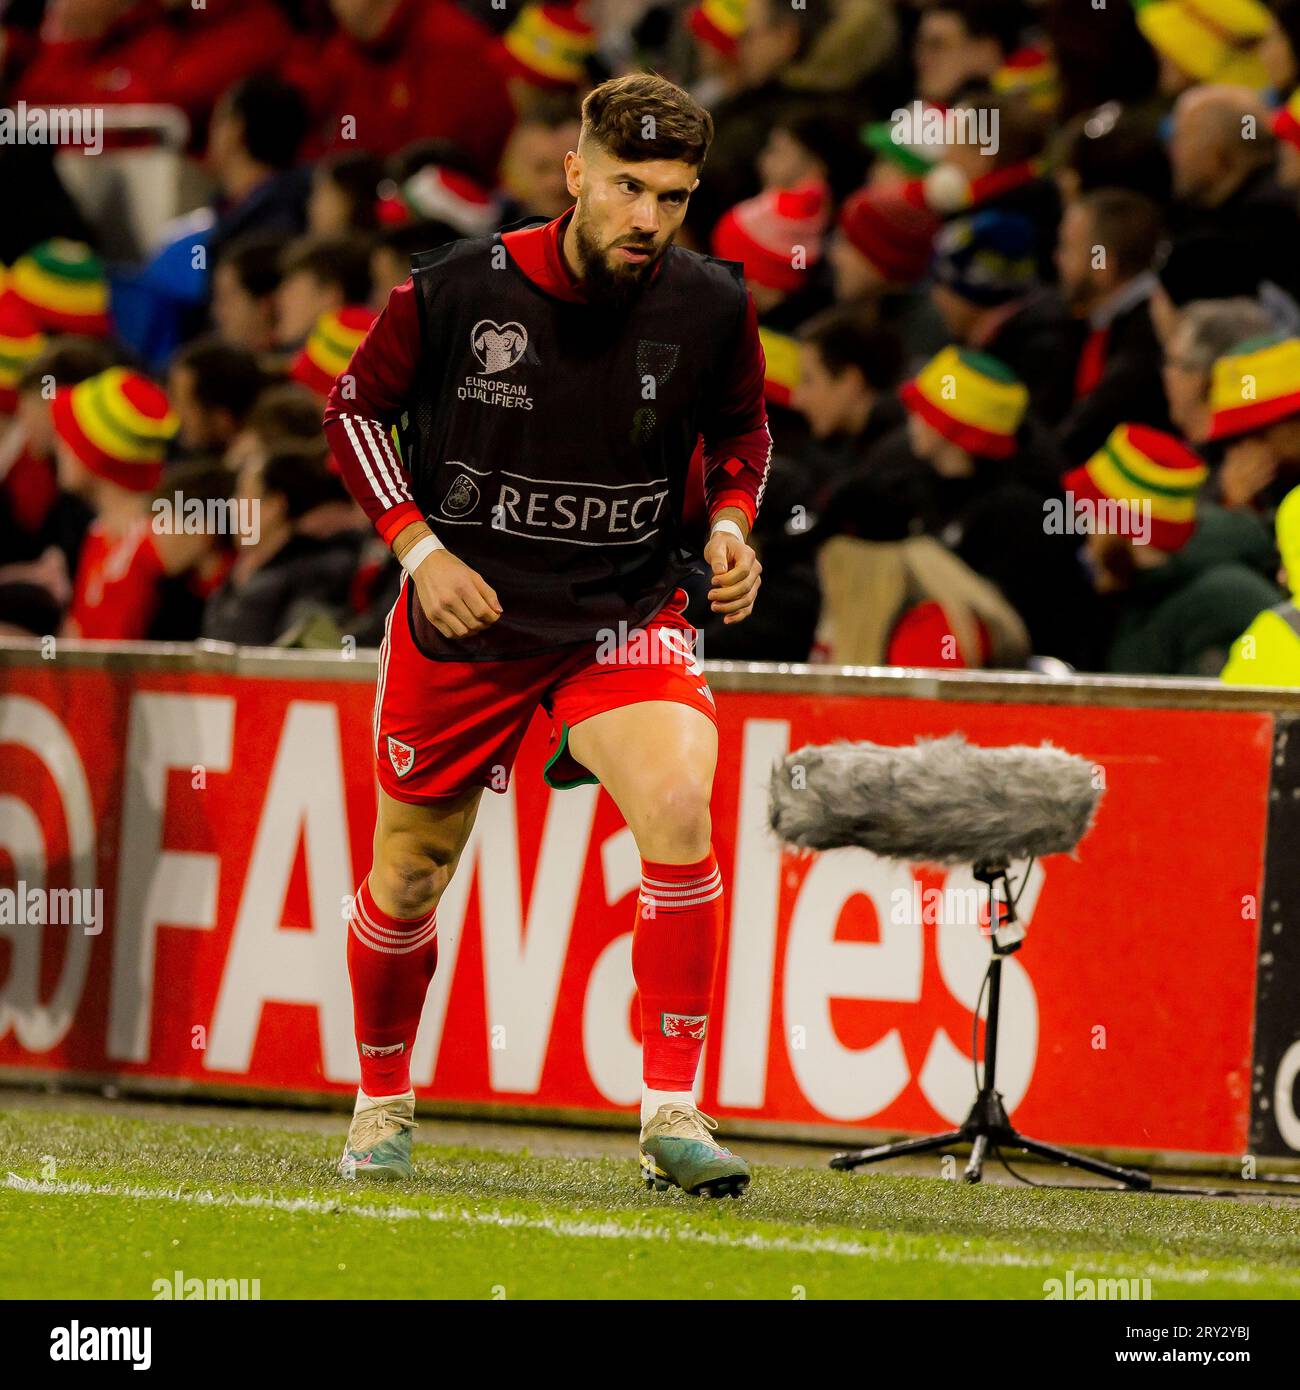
{"points": [[424, 547], [728, 525]]}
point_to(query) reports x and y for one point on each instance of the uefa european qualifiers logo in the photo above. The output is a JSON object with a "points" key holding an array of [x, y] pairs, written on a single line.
{"points": [[496, 347]]}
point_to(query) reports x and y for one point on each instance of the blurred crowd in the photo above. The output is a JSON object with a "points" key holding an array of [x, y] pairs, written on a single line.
{"points": [[1026, 275]]}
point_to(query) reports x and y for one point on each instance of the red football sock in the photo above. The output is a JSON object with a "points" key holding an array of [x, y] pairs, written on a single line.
{"points": [[390, 964], [675, 946]]}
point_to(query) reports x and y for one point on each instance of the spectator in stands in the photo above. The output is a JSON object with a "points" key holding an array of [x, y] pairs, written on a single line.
{"points": [[284, 413], [985, 289], [1224, 154], [998, 169], [962, 43], [813, 146], [1268, 652], [35, 518], [319, 275], [1192, 47], [1182, 581], [1280, 47], [1255, 413], [390, 260], [991, 472], [1110, 147], [244, 285], [345, 194], [115, 467], [772, 39], [63, 286], [329, 349], [402, 70], [1206, 266], [289, 577], [1203, 331], [1107, 247], [212, 386], [532, 168], [256, 133], [175, 54], [848, 368]]}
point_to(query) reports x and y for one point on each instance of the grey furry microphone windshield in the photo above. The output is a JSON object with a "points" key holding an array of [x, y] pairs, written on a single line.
{"points": [[937, 801]]}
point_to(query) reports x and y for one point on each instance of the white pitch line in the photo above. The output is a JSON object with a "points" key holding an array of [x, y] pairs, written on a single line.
{"points": [[591, 1230]]}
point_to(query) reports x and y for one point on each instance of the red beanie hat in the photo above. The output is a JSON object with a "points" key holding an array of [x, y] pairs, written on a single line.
{"points": [[777, 236], [891, 231]]}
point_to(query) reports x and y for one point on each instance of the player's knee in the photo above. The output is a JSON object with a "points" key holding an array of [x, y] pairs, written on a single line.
{"points": [[677, 822], [411, 878]]}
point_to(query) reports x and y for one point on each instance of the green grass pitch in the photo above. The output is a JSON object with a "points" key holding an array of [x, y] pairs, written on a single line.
{"points": [[94, 1205]]}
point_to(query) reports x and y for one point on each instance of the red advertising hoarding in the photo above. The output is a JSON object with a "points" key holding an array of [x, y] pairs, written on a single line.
{"points": [[228, 817]]}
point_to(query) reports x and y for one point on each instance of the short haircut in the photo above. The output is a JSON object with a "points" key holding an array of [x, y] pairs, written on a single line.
{"points": [[287, 411], [643, 116], [255, 263], [302, 477], [845, 337], [226, 377], [333, 260], [1127, 224], [273, 116], [68, 361], [1213, 327], [1002, 20], [357, 176]]}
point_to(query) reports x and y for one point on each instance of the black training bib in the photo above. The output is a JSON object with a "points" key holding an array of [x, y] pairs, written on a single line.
{"points": [[548, 443]]}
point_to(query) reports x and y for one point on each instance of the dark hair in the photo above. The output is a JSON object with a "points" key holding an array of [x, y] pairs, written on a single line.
{"points": [[1109, 147], [443, 153], [287, 410], [302, 477], [333, 260], [207, 479], [844, 337], [410, 238], [273, 117], [357, 176], [1001, 20], [255, 261], [226, 377], [69, 360], [1128, 225], [552, 109], [615, 116], [832, 137]]}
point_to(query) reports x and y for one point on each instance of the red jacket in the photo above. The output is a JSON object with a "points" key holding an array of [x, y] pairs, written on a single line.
{"points": [[186, 59], [429, 74]]}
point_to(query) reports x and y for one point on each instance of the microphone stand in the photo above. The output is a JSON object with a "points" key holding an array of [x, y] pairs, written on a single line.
{"points": [[987, 1123]]}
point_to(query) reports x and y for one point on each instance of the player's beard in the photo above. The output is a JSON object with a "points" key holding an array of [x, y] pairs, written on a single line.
{"points": [[606, 285]]}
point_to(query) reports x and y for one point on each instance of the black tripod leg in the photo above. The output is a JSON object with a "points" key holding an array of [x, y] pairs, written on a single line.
{"points": [[904, 1146], [1130, 1177], [975, 1164]]}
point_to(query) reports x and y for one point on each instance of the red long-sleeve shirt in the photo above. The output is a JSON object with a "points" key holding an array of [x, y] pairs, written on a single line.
{"points": [[732, 456]]}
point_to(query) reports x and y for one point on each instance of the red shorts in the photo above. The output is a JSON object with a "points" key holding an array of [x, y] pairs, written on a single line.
{"points": [[444, 727]]}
